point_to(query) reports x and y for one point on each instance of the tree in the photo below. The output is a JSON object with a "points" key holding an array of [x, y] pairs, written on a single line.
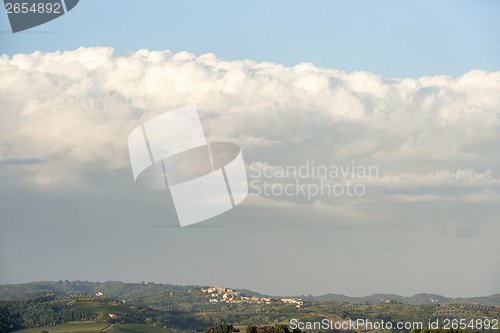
{"points": [[251, 329], [222, 328], [344, 314]]}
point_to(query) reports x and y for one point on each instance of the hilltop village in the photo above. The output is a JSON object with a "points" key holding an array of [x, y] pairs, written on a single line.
{"points": [[227, 295]]}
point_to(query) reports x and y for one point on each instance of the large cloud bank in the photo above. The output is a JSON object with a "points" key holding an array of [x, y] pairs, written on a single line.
{"points": [[64, 114]]}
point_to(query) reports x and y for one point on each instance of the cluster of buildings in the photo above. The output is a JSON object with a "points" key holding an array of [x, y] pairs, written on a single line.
{"points": [[227, 295], [297, 301]]}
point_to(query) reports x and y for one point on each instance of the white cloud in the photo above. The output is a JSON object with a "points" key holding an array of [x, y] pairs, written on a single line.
{"points": [[443, 177], [74, 110]]}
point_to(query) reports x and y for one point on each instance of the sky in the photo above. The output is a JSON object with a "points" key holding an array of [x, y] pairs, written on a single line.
{"points": [[388, 38], [410, 88]]}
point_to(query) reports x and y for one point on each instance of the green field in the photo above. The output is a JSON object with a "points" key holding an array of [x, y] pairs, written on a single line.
{"points": [[138, 328], [97, 308], [92, 327], [75, 327]]}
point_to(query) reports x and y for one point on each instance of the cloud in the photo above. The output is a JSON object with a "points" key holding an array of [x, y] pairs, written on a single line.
{"points": [[74, 110], [21, 161], [443, 177]]}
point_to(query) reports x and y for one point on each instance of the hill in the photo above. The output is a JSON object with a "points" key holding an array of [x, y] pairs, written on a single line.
{"points": [[116, 289], [418, 299], [153, 308]]}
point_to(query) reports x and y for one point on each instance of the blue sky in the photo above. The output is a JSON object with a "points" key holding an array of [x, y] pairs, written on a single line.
{"points": [[389, 38]]}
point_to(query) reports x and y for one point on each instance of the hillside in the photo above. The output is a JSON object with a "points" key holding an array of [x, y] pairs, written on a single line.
{"points": [[85, 288], [116, 289], [418, 299], [154, 308]]}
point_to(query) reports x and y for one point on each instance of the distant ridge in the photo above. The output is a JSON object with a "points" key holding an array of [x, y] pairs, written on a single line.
{"points": [[117, 289], [111, 289], [418, 299]]}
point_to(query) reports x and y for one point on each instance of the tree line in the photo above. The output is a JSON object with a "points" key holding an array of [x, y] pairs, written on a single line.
{"points": [[36, 312]]}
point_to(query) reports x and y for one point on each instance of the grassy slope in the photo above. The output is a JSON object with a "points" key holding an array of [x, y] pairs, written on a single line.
{"points": [[138, 328], [104, 308], [80, 327], [92, 327]]}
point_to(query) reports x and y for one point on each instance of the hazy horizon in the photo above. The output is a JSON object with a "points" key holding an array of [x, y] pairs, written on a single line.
{"points": [[258, 291]]}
